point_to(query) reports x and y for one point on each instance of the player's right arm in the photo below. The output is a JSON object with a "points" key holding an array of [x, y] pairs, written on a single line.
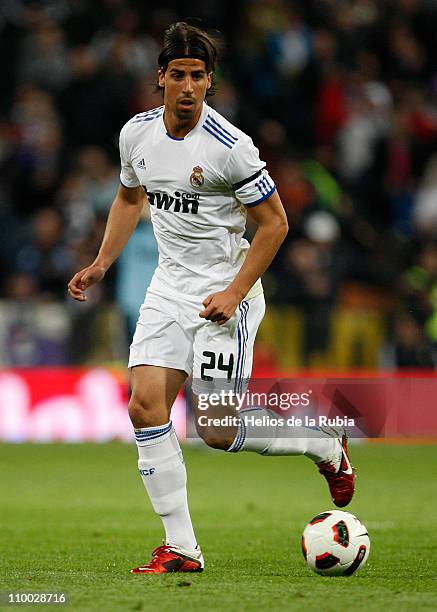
{"points": [[122, 220]]}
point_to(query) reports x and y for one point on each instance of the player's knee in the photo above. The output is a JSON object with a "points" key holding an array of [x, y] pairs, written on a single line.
{"points": [[143, 414], [215, 440]]}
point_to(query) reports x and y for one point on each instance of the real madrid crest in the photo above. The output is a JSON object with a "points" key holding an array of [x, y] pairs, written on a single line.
{"points": [[197, 179]]}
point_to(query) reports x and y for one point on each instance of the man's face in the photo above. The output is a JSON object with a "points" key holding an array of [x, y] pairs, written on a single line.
{"points": [[185, 85]]}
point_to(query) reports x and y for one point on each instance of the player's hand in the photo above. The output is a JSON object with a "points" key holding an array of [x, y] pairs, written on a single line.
{"points": [[220, 306], [84, 279]]}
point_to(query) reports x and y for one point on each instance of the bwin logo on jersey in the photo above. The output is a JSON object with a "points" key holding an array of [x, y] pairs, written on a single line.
{"points": [[180, 202]]}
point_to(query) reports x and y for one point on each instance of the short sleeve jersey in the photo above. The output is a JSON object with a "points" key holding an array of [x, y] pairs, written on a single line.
{"points": [[199, 188]]}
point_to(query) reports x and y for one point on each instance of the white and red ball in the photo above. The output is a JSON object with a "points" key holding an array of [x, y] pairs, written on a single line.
{"points": [[335, 543]]}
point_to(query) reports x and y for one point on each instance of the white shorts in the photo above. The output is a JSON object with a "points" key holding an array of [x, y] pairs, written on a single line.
{"points": [[170, 333]]}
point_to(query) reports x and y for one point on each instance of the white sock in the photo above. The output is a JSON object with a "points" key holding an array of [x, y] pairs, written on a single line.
{"points": [[279, 439], [162, 469]]}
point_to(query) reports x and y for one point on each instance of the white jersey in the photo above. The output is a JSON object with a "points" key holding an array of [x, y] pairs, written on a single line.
{"points": [[198, 188]]}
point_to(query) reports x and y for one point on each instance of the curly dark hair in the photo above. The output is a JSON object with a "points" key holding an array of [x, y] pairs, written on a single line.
{"points": [[184, 40]]}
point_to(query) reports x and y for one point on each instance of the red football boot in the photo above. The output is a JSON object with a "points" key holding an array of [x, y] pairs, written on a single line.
{"points": [[168, 559], [339, 473]]}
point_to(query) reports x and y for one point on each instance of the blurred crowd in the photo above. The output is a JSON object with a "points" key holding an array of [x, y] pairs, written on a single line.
{"points": [[340, 96]]}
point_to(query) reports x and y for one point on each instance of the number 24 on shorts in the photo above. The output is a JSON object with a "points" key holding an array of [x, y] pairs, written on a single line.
{"points": [[211, 365]]}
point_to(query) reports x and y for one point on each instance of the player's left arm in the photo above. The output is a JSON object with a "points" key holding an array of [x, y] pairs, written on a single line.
{"points": [[272, 229]]}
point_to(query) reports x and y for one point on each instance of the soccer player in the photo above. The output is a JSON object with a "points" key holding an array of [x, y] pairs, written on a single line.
{"points": [[202, 176]]}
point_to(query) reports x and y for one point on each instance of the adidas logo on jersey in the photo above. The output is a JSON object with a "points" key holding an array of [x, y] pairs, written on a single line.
{"points": [[141, 164], [180, 202]]}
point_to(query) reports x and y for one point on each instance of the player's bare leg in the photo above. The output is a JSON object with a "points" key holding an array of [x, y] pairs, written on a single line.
{"points": [[162, 469], [219, 437]]}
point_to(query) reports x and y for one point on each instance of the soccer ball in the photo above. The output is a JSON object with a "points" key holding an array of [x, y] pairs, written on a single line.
{"points": [[335, 543]]}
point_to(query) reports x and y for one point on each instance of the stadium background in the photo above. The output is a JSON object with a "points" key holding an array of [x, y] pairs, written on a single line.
{"points": [[339, 96]]}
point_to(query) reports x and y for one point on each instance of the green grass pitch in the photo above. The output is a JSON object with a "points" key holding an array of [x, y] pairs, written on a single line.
{"points": [[76, 519]]}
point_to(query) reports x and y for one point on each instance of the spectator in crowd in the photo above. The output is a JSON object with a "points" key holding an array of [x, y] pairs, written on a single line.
{"points": [[46, 257], [425, 205], [312, 269]]}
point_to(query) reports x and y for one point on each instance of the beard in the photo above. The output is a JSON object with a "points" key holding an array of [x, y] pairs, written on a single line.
{"points": [[185, 114]]}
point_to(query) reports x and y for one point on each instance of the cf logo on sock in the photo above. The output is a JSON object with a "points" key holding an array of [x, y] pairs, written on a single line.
{"points": [[148, 472]]}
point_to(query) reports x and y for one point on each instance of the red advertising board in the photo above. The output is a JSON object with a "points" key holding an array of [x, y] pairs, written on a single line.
{"points": [[90, 404], [69, 405]]}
